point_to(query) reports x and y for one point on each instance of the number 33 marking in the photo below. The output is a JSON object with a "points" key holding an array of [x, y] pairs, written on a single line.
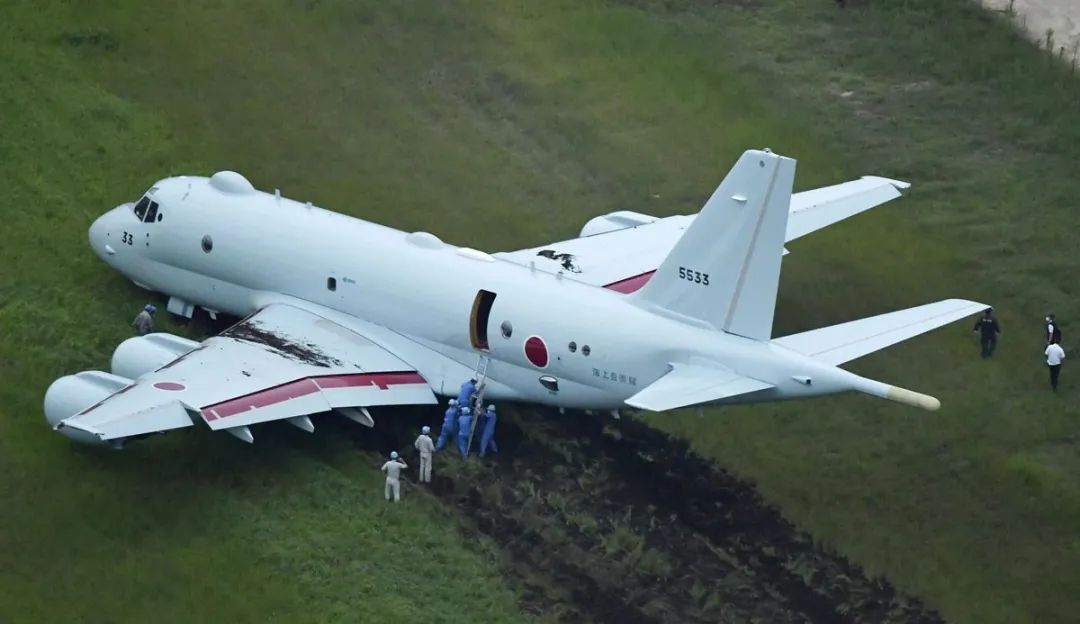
{"points": [[696, 277], [127, 238]]}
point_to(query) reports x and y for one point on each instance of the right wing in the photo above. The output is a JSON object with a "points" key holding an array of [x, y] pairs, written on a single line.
{"points": [[631, 246], [280, 363]]}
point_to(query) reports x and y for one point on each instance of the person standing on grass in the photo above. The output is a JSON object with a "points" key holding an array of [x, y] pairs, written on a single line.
{"points": [[144, 322], [393, 470], [988, 326], [1055, 355], [426, 447], [1053, 330]]}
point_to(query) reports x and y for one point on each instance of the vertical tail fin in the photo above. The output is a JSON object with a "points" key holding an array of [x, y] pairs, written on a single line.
{"points": [[725, 270]]}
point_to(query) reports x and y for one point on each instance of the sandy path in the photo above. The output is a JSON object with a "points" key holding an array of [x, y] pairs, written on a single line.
{"points": [[1037, 16]]}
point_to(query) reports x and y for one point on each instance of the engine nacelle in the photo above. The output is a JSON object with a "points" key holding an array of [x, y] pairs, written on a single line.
{"points": [[72, 394], [619, 220], [140, 355]]}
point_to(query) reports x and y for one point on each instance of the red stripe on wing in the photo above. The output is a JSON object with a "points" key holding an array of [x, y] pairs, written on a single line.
{"points": [[262, 398], [630, 284], [382, 380], [304, 387]]}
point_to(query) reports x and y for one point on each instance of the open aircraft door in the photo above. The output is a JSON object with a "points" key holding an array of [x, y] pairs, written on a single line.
{"points": [[478, 320]]}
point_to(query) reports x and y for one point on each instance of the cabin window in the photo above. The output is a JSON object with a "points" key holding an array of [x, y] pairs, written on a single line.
{"points": [[151, 212], [585, 350], [140, 208], [159, 216], [572, 346], [207, 243], [507, 329], [331, 284]]}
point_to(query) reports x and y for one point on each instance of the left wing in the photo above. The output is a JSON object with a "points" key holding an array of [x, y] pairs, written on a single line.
{"points": [[621, 250], [280, 363]]}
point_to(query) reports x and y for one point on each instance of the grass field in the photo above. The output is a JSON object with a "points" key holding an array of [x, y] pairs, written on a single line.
{"points": [[501, 125]]}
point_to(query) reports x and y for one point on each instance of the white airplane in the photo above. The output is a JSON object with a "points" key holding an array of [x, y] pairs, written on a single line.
{"points": [[342, 314]]}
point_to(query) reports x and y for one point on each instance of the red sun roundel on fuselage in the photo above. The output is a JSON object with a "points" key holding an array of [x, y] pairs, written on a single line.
{"points": [[536, 351]]}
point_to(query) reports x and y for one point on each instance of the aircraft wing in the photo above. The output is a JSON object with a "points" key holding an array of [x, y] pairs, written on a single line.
{"points": [[623, 259], [688, 384], [280, 363]]}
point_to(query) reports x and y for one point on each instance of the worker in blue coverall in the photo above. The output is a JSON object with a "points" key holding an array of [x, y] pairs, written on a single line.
{"points": [[468, 389], [487, 438], [464, 429], [479, 426], [449, 425]]}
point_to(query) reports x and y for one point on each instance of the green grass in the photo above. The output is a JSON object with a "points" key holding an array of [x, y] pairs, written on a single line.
{"points": [[500, 125]]}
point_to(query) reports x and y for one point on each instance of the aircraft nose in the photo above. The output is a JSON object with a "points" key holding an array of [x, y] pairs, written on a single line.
{"points": [[99, 237]]}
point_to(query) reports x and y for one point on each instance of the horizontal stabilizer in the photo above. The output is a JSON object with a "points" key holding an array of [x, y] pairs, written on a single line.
{"points": [[819, 208], [847, 341], [687, 384]]}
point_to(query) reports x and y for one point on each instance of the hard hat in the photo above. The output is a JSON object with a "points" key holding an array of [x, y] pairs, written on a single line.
{"points": [[491, 407], [465, 410], [453, 401], [393, 454], [151, 308], [425, 429]]}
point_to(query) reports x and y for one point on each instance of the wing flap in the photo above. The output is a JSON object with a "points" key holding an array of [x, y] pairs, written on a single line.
{"points": [[841, 343], [688, 384]]}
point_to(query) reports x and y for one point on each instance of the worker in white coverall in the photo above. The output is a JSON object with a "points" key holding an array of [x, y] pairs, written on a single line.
{"points": [[426, 447], [393, 470]]}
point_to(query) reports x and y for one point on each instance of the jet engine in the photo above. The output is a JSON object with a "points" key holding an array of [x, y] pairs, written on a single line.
{"points": [[140, 355], [619, 220], [71, 394]]}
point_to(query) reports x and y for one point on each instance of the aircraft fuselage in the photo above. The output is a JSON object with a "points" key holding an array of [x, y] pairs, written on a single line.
{"points": [[235, 252]]}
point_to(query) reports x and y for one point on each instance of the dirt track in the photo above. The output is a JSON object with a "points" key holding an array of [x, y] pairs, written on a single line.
{"points": [[602, 520]]}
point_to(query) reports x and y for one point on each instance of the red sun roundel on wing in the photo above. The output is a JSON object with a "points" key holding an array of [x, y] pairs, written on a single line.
{"points": [[536, 351]]}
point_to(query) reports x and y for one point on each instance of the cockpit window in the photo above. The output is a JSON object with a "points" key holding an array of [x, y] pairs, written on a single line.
{"points": [[151, 212], [140, 208]]}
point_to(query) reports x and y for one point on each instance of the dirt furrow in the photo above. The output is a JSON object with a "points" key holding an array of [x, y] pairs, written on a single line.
{"points": [[603, 520]]}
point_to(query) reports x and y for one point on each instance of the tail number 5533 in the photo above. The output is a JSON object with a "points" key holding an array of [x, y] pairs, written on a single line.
{"points": [[696, 277]]}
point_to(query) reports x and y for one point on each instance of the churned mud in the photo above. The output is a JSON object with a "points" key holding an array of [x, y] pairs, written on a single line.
{"points": [[603, 520]]}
